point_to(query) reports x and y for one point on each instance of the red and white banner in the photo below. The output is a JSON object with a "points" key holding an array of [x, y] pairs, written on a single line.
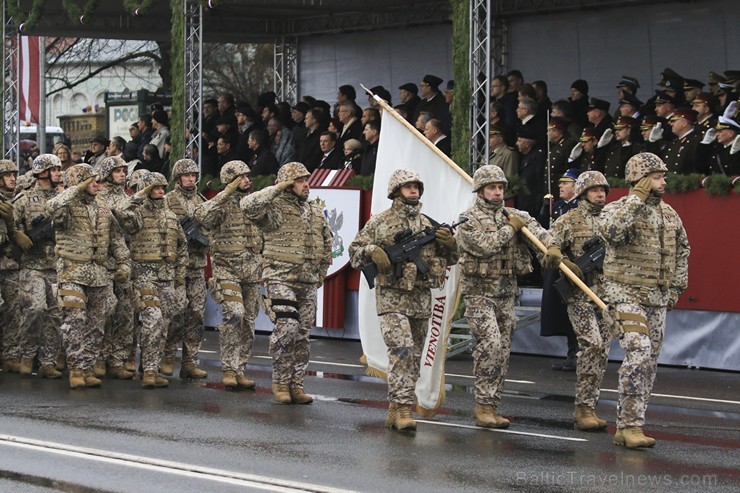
{"points": [[29, 79], [447, 193]]}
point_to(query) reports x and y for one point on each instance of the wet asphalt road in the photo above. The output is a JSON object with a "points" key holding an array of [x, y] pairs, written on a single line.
{"points": [[194, 436]]}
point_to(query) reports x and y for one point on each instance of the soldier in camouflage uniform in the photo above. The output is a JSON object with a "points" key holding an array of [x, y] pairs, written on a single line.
{"points": [[492, 254], [88, 239], [645, 272], [9, 269], [236, 253], [40, 317], [159, 252], [296, 256], [571, 231], [404, 304], [187, 327], [118, 341]]}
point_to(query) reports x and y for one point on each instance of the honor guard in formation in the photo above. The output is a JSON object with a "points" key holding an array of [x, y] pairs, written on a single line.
{"points": [[403, 293], [159, 253], [187, 327], [119, 347], [573, 233], [492, 255], [236, 254], [645, 272], [296, 257], [9, 268], [40, 318], [88, 239]]}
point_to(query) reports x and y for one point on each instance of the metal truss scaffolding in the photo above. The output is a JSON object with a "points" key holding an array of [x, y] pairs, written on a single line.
{"points": [[11, 88], [193, 75], [286, 69], [480, 75]]}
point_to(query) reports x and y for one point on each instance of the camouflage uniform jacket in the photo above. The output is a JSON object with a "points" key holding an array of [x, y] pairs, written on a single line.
{"points": [[411, 293], [574, 229], [183, 203], [236, 242], [297, 236], [491, 254], [647, 252], [7, 230], [115, 198], [159, 250], [29, 206], [88, 238]]}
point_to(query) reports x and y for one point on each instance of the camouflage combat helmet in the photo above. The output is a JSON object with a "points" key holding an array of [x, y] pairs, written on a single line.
{"points": [[7, 166], [402, 176], [25, 181], [590, 179], [231, 170], [77, 174], [134, 181], [292, 171], [44, 162], [184, 166], [153, 178], [107, 166], [641, 165], [485, 175]]}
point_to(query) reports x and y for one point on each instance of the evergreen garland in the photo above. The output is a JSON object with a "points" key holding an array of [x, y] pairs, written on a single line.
{"points": [[177, 56], [361, 182], [29, 21], [676, 183], [142, 6], [260, 182], [615, 182], [77, 14], [460, 68], [718, 185]]}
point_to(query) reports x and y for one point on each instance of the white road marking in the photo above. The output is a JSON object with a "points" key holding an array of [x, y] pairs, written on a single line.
{"points": [[473, 377], [512, 432], [682, 397], [266, 483]]}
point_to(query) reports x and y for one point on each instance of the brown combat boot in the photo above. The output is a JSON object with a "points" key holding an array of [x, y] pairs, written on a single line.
{"points": [[298, 396], [120, 373], [91, 380], [99, 369], [168, 366], [48, 371], [585, 419], [229, 380], [244, 383], [76, 379], [191, 370], [487, 417], [390, 419], [404, 420], [11, 365], [61, 363], [152, 379], [281, 393], [633, 437], [130, 364], [26, 366]]}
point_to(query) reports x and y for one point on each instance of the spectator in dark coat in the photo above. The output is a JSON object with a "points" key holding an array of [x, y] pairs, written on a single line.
{"points": [[263, 162]]}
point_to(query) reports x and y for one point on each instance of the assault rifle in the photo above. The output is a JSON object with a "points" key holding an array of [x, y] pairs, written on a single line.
{"points": [[590, 262], [41, 229], [192, 232], [406, 248]]}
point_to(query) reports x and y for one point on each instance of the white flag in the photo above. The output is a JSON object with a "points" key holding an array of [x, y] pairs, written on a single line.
{"points": [[447, 193]]}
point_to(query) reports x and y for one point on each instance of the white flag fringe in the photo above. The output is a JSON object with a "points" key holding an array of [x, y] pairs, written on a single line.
{"points": [[447, 193]]}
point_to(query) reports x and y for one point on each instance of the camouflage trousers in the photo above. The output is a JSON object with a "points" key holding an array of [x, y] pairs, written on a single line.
{"points": [[593, 344], [492, 322], [9, 314], [40, 317], [160, 302], [640, 365], [289, 340], [119, 327], [404, 337], [187, 326], [84, 308], [240, 306]]}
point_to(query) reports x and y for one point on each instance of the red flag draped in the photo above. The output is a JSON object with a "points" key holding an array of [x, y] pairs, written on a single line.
{"points": [[29, 79]]}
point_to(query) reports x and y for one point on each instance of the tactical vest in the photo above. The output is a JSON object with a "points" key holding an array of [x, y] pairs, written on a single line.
{"points": [[236, 234], [36, 199], [583, 227], [83, 241], [501, 263], [157, 239], [296, 241], [177, 203], [649, 259]]}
